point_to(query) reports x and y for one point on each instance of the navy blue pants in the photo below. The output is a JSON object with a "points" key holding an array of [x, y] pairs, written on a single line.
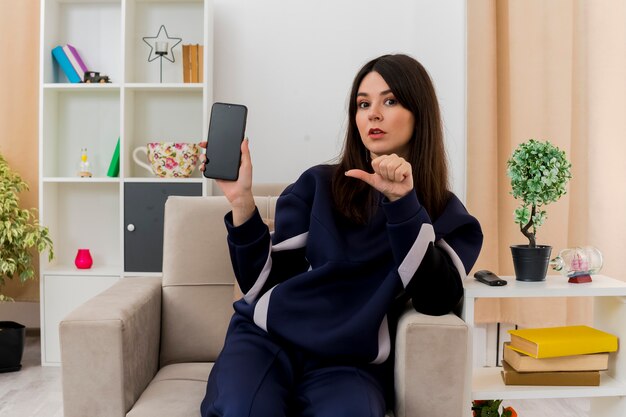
{"points": [[256, 377]]}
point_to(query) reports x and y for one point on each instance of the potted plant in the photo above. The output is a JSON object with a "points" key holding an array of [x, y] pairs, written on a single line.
{"points": [[491, 408], [19, 233], [539, 172]]}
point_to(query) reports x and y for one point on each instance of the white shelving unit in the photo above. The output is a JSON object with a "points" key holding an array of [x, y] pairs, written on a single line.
{"points": [[609, 306], [135, 107]]}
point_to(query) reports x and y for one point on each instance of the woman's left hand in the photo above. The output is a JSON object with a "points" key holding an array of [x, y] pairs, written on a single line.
{"points": [[393, 176]]}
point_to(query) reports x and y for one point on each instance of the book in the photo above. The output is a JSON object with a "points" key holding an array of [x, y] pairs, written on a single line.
{"points": [[200, 63], [65, 64], [549, 342], [193, 63], [524, 363], [76, 60], [567, 378], [114, 166], [193, 58], [186, 64]]}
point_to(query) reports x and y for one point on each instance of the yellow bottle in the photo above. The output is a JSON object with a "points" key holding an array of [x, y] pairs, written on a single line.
{"points": [[85, 169]]}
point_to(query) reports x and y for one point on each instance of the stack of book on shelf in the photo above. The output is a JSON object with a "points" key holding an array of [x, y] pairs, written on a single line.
{"points": [[70, 62], [193, 63], [567, 355]]}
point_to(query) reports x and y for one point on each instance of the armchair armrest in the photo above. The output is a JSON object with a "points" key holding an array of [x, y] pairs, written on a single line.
{"points": [[430, 368], [110, 348]]}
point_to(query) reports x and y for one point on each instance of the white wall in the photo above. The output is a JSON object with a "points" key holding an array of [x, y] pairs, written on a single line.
{"points": [[292, 63]]}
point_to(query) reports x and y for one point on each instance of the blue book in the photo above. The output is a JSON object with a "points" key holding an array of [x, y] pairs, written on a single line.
{"points": [[65, 65]]}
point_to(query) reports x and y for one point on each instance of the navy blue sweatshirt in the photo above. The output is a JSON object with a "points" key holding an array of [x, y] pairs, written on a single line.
{"points": [[331, 287]]}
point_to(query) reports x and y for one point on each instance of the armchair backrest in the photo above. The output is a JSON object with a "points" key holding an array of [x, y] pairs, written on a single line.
{"points": [[198, 277]]}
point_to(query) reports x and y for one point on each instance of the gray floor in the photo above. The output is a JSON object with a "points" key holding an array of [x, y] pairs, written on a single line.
{"points": [[35, 391]]}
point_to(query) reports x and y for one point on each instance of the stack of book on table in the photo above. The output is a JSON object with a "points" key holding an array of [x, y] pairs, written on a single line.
{"points": [[568, 355]]}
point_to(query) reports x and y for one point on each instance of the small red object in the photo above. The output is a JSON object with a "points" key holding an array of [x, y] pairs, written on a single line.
{"points": [[83, 259], [580, 279]]}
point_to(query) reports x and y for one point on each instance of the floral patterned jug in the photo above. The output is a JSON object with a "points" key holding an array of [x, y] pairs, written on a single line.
{"points": [[169, 159]]}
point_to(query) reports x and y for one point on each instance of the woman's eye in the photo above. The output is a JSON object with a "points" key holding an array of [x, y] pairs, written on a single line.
{"points": [[363, 105], [391, 101]]}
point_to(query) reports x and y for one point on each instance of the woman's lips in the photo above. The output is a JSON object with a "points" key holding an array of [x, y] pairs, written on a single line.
{"points": [[376, 133]]}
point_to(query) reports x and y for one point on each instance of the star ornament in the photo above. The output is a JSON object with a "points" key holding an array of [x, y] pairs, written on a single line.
{"points": [[162, 36]]}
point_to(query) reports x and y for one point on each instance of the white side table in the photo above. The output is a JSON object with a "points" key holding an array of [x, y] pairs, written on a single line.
{"points": [[609, 314]]}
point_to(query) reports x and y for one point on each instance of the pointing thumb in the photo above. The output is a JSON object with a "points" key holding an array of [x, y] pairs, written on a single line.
{"points": [[361, 175]]}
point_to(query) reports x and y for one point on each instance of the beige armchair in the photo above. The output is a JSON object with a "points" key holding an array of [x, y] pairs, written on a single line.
{"points": [[144, 347]]}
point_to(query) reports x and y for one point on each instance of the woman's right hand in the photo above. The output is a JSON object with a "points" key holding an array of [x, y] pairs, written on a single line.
{"points": [[393, 176], [239, 192]]}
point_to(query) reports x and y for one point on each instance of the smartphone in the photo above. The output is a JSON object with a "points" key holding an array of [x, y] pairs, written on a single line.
{"points": [[226, 131]]}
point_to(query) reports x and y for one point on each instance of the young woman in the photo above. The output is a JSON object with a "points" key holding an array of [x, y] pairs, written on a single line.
{"points": [[353, 243]]}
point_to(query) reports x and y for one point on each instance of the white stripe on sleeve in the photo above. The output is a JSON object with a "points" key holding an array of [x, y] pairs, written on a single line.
{"points": [[295, 242], [253, 292], [414, 257], [384, 342], [261, 309]]}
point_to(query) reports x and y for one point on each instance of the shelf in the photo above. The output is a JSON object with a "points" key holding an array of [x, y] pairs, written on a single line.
{"points": [[90, 1], [79, 180], [182, 19], [165, 86], [609, 309], [134, 109], [71, 270], [130, 86], [166, 180], [93, 27], [76, 118], [82, 215], [81, 87], [161, 115], [487, 384], [553, 286]]}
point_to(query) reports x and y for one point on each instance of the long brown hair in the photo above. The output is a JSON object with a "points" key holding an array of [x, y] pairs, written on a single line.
{"points": [[414, 90]]}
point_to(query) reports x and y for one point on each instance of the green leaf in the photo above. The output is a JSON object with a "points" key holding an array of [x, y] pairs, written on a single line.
{"points": [[19, 230], [539, 218], [522, 215], [489, 412]]}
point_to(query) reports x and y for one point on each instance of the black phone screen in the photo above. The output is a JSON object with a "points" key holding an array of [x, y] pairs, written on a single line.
{"points": [[226, 131]]}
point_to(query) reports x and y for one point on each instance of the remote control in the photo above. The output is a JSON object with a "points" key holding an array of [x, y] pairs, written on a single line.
{"points": [[489, 278]]}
